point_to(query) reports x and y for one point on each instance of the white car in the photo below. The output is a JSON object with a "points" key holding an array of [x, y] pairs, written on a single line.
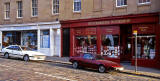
{"points": [[22, 52]]}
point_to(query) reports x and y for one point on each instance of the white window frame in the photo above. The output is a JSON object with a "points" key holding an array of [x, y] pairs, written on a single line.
{"points": [[80, 7], [55, 7], [35, 8], [7, 10], [19, 9], [144, 2], [121, 5]]}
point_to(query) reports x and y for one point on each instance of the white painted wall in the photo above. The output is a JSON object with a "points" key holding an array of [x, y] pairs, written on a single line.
{"points": [[57, 42]]}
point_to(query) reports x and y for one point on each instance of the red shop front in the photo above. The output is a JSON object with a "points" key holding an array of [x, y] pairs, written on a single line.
{"points": [[113, 38]]}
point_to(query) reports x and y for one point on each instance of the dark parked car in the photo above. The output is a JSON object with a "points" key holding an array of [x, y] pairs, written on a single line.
{"points": [[94, 61]]}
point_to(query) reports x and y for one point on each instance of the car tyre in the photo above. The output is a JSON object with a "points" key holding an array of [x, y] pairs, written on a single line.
{"points": [[6, 55], [75, 65], [101, 69], [26, 58]]}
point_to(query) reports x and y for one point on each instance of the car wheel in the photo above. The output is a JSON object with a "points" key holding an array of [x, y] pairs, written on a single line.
{"points": [[26, 58], [6, 55], [101, 69], [75, 65]]}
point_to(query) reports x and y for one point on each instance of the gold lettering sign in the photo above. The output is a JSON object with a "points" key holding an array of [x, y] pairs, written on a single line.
{"points": [[109, 22], [143, 28]]}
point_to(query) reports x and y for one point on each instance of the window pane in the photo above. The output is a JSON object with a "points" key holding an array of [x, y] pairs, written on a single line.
{"points": [[45, 39], [7, 10], [55, 6], [19, 10], [34, 7], [110, 45], [77, 5]]}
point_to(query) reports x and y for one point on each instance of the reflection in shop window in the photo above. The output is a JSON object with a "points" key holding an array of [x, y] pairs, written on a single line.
{"points": [[10, 38], [45, 40], [29, 39], [110, 46], [86, 44], [146, 45]]}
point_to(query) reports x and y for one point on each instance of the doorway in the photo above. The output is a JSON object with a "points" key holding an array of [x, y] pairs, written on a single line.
{"points": [[126, 43], [66, 42]]}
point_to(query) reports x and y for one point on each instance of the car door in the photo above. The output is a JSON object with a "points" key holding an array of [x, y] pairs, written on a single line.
{"points": [[9, 50], [17, 52], [88, 61]]}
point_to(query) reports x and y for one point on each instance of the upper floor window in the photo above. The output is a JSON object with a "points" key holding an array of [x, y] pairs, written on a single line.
{"points": [[19, 9], [34, 7], [7, 10], [55, 6], [144, 1], [121, 3], [77, 5]]}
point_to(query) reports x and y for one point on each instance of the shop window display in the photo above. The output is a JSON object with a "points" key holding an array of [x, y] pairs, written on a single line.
{"points": [[110, 46], [86, 44], [11, 38], [29, 39], [146, 45]]}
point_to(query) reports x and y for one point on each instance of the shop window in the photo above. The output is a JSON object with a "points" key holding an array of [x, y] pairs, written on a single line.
{"points": [[45, 39], [29, 39], [77, 5], [11, 38], [110, 46], [121, 3], [86, 44], [146, 45]]}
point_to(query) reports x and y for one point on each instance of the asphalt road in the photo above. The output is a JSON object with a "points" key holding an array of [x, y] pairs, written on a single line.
{"points": [[18, 70]]}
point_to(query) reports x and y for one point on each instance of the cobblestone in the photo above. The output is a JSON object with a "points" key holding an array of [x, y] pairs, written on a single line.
{"points": [[17, 70]]}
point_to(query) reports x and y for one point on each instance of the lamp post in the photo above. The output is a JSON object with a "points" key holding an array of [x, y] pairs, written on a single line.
{"points": [[135, 33]]}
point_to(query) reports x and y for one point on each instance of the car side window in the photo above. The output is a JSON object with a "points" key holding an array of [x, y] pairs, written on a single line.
{"points": [[17, 48], [11, 48], [87, 56]]}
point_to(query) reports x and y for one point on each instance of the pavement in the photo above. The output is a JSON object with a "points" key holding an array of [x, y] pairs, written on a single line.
{"points": [[128, 68]]}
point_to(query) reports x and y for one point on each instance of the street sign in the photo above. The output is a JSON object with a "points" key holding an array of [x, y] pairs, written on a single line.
{"points": [[135, 32]]}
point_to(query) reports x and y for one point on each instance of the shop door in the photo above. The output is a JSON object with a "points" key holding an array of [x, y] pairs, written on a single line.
{"points": [[66, 42], [110, 44], [126, 43]]}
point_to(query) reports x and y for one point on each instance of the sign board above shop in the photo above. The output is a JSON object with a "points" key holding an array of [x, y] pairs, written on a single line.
{"points": [[111, 20], [144, 28], [120, 21], [85, 31]]}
